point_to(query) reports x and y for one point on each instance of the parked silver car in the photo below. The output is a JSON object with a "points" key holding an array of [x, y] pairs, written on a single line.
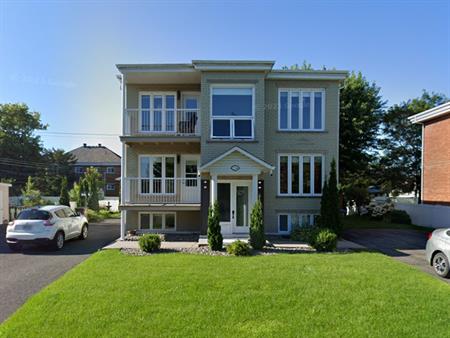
{"points": [[438, 251]]}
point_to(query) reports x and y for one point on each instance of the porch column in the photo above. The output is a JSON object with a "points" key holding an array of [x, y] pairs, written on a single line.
{"points": [[123, 218], [213, 188], [254, 189]]}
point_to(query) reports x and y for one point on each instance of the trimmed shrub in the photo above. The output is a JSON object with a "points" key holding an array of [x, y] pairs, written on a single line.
{"points": [[399, 216], [239, 248], [64, 198], [215, 239], [304, 234], [257, 236], [325, 240], [149, 242]]}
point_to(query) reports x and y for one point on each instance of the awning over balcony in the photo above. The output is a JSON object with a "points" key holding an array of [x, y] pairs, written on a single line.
{"points": [[236, 161]]}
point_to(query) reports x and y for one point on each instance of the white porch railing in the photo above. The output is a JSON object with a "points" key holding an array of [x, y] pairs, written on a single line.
{"points": [[140, 190], [185, 122]]}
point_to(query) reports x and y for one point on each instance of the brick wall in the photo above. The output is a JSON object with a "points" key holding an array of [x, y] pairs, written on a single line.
{"points": [[436, 161]]}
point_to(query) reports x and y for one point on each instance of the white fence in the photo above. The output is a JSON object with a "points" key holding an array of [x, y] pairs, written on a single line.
{"points": [[433, 216]]}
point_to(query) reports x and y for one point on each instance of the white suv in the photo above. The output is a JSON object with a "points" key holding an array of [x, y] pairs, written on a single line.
{"points": [[50, 224]]}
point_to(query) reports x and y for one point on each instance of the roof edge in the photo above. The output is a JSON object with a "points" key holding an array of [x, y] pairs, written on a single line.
{"points": [[432, 113]]}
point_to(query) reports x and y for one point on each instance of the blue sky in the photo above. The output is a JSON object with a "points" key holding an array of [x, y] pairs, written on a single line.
{"points": [[59, 57]]}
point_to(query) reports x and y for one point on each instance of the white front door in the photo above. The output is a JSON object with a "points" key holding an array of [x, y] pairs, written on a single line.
{"points": [[234, 204]]}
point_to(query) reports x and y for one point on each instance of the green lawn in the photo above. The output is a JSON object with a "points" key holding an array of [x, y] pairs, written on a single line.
{"points": [[359, 222], [310, 295]]}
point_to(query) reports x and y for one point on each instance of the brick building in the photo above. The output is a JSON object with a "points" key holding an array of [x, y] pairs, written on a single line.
{"points": [[105, 160], [435, 154]]}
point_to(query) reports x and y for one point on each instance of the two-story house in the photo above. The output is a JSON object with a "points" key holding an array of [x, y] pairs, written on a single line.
{"points": [[104, 160], [231, 131]]}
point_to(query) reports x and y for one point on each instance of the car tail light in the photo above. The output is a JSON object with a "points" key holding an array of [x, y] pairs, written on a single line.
{"points": [[429, 235], [47, 223]]}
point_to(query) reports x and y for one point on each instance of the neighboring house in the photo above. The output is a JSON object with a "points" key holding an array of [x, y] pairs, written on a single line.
{"points": [[231, 131], [435, 154], [104, 160], [4, 201]]}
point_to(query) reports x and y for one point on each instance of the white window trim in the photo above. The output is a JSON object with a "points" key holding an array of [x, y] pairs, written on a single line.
{"points": [[312, 103], [78, 170], [289, 220], [163, 174], [109, 185], [164, 220], [231, 119], [300, 193], [163, 110], [110, 170]]}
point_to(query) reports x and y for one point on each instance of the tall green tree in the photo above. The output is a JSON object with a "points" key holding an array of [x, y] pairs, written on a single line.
{"points": [[30, 195], [215, 239], [64, 195], [20, 148], [401, 142], [58, 164], [329, 211], [257, 236], [92, 183], [361, 109]]}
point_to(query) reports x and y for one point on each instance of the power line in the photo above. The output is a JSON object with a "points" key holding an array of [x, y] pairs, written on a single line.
{"points": [[61, 133]]}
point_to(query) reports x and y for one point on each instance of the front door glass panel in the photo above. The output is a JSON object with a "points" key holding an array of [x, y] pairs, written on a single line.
{"points": [[224, 199], [241, 206]]}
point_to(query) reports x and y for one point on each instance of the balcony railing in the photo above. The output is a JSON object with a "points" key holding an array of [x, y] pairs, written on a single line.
{"points": [[140, 190], [183, 122]]}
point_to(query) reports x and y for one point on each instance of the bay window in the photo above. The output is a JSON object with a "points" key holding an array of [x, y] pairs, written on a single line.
{"points": [[301, 109], [232, 112], [300, 174], [157, 174]]}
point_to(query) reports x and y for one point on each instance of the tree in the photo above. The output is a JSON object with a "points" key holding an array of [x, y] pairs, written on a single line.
{"points": [[305, 66], [20, 149], [361, 108], [92, 182], [401, 141], [31, 196], [75, 194], [257, 236], [215, 239], [329, 208], [64, 195]]}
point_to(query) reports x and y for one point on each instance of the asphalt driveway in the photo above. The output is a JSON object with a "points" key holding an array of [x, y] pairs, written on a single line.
{"points": [[24, 273], [407, 246]]}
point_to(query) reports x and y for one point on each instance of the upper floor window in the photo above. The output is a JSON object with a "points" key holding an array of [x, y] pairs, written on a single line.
{"points": [[78, 170], [110, 170], [300, 174], [232, 112], [301, 109]]}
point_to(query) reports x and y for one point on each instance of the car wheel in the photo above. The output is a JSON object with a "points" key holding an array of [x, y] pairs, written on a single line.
{"points": [[58, 241], [441, 265], [84, 232], [14, 246]]}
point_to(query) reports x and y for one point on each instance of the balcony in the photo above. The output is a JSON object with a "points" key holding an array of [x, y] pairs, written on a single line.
{"points": [[162, 122], [162, 191]]}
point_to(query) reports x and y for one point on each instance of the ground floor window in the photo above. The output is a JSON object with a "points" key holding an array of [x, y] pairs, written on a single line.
{"points": [[110, 187], [157, 220], [287, 222]]}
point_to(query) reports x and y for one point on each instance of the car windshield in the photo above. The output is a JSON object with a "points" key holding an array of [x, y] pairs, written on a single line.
{"points": [[34, 214]]}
